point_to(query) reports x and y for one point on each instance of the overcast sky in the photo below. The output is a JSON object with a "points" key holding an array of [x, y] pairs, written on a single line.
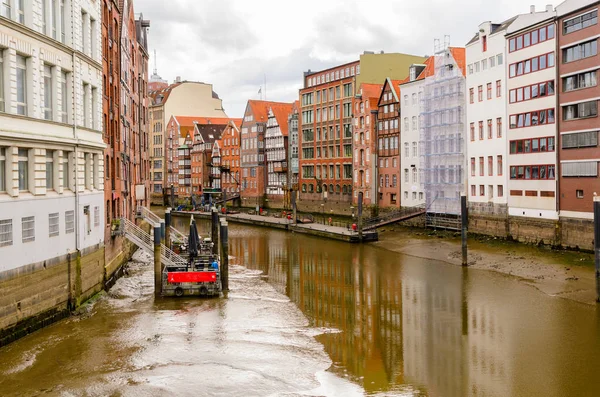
{"points": [[233, 44]]}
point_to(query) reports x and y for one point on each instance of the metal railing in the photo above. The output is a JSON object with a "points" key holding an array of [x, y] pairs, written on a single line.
{"points": [[149, 216], [390, 216], [143, 240]]}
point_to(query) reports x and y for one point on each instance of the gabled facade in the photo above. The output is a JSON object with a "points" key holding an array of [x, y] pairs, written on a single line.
{"points": [[215, 175], [578, 125], [276, 147], [230, 159], [293, 141], [388, 145], [206, 174], [184, 170], [532, 125], [412, 89], [487, 145], [365, 142]]}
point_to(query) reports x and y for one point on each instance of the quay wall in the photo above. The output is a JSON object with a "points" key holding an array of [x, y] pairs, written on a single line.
{"points": [[39, 294]]}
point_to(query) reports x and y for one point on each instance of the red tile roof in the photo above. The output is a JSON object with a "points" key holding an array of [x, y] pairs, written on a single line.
{"points": [[459, 55], [371, 90], [260, 109], [164, 92], [282, 112], [187, 124], [429, 69], [396, 87]]}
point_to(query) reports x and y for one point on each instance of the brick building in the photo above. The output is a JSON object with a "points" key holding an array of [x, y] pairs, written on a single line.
{"points": [[388, 145], [293, 139], [253, 159], [578, 64], [365, 144], [230, 158]]}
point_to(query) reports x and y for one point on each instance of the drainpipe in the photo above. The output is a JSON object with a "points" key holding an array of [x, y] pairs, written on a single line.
{"points": [[375, 164]]}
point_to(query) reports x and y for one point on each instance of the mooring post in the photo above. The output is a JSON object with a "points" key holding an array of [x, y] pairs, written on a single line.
{"points": [[464, 220], [359, 215], [157, 264], [214, 231], [162, 231], [597, 243], [294, 207], [224, 256], [168, 227]]}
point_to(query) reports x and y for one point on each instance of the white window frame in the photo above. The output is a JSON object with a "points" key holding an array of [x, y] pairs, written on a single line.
{"points": [[22, 73], [53, 224], [6, 232], [69, 222], [47, 83], [28, 229]]}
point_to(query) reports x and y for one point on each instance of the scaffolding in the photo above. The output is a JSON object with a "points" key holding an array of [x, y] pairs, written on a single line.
{"points": [[442, 139]]}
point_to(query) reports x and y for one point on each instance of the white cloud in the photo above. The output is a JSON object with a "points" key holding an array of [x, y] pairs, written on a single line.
{"points": [[234, 43]]}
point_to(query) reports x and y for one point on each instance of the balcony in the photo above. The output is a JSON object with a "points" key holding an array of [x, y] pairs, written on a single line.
{"points": [[280, 167]]}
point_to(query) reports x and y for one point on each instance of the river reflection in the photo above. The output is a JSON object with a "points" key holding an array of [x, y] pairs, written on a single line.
{"points": [[410, 324]]}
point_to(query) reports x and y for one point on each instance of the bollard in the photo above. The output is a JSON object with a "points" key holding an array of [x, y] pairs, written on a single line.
{"points": [[162, 231], [214, 234], [597, 244], [360, 218], [168, 227], [224, 256], [157, 264], [464, 223]]}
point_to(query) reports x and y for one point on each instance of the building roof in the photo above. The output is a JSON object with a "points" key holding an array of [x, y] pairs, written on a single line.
{"points": [[371, 90], [394, 85], [260, 109], [208, 133], [281, 113], [165, 92], [496, 27], [187, 124], [459, 55]]}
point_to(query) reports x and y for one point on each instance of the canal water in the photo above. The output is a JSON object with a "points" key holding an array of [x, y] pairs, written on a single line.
{"points": [[313, 317]]}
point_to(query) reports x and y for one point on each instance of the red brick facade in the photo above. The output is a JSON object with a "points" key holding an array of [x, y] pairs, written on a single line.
{"points": [[230, 159], [388, 145], [325, 135]]}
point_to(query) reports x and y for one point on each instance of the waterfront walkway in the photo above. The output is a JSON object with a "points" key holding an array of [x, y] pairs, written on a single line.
{"points": [[315, 229]]}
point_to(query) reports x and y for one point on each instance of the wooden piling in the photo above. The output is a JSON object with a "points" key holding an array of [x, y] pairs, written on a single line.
{"points": [[224, 256], [168, 227], [464, 224], [214, 233], [157, 263]]}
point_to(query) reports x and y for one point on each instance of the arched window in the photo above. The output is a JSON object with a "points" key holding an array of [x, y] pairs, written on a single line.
{"points": [[319, 188], [311, 188], [345, 189], [331, 188], [338, 189], [304, 188], [361, 180]]}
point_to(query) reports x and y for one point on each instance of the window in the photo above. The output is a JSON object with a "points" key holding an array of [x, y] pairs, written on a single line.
{"points": [[480, 93], [482, 190], [580, 51], [28, 229], [406, 175], [489, 91], [531, 65], [53, 220], [472, 166], [481, 170], [499, 127], [530, 92], [498, 88], [47, 92], [579, 193], [481, 130], [499, 59], [23, 159], [2, 169], [569, 141], [21, 85], [531, 38], [490, 166], [580, 110], [414, 175], [476, 67], [473, 190], [69, 221], [499, 165], [64, 97], [580, 22], [6, 232], [472, 131], [580, 169], [471, 95], [62, 22], [536, 172], [489, 128], [66, 180], [49, 170], [571, 83], [415, 149], [534, 118], [484, 64], [533, 145], [96, 216], [471, 69]]}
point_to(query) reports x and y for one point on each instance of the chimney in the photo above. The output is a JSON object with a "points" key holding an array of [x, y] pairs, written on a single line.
{"points": [[178, 79], [532, 9], [549, 8]]}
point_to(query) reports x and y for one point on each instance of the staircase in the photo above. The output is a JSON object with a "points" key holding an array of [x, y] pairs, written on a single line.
{"points": [[234, 197], [151, 217], [402, 214], [144, 241]]}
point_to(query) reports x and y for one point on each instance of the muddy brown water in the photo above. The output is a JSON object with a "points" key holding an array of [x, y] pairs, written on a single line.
{"points": [[313, 317]]}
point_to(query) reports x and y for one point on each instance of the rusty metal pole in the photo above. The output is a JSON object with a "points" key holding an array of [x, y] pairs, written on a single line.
{"points": [[168, 227], [157, 264], [224, 256], [214, 231], [597, 244], [464, 224]]}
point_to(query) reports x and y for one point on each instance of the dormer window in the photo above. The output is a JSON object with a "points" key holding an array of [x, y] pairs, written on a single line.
{"points": [[413, 73]]}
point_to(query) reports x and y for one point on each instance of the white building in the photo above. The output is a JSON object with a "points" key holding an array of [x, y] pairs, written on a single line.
{"points": [[486, 119], [531, 132], [51, 147], [411, 91]]}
